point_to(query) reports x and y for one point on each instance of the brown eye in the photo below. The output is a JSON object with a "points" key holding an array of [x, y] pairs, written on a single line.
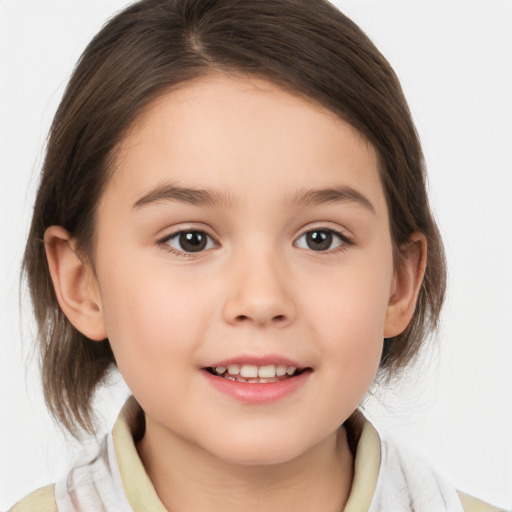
{"points": [[321, 240], [190, 241]]}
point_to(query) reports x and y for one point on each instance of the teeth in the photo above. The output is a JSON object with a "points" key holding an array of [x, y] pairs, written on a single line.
{"points": [[267, 372], [248, 370], [233, 369], [253, 373], [280, 370]]}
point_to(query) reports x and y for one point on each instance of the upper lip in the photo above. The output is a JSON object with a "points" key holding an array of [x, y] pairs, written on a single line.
{"points": [[254, 360]]}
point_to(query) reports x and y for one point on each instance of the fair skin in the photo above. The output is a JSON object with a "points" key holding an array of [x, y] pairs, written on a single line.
{"points": [[280, 275]]}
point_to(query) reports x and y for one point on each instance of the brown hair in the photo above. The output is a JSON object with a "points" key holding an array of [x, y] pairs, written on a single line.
{"points": [[305, 46]]}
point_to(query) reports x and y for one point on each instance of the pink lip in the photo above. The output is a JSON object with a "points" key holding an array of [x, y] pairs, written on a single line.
{"points": [[258, 361], [257, 393]]}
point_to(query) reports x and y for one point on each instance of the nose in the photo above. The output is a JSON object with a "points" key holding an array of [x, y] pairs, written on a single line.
{"points": [[259, 293]]}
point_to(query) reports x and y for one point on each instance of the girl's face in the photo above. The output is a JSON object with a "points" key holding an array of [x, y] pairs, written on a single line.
{"points": [[245, 227]]}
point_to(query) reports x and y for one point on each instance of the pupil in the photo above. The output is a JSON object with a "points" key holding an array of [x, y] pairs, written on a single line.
{"points": [[319, 240], [193, 241]]}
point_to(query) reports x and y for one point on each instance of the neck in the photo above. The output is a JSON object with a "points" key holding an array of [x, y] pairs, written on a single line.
{"points": [[186, 477]]}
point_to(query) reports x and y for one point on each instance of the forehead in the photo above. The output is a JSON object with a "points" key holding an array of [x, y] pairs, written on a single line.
{"points": [[242, 134]]}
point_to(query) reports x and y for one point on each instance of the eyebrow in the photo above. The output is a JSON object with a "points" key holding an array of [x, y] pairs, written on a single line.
{"points": [[214, 198], [338, 194], [194, 196]]}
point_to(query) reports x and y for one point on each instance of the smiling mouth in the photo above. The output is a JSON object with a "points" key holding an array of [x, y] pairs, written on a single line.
{"points": [[252, 374]]}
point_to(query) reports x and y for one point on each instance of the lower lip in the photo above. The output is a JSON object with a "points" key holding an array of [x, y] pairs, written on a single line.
{"points": [[257, 393]]}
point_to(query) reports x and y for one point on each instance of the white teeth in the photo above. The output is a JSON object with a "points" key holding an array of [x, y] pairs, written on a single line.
{"points": [[280, 370], [253, 373], [233, 369], [267, 372], [248, 370]]}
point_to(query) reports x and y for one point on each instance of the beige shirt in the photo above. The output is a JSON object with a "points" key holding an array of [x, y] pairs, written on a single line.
{"points": [[385, 478]]}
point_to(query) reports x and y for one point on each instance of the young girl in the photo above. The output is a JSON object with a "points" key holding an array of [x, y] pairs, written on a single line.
{"points": [[233, 212]]}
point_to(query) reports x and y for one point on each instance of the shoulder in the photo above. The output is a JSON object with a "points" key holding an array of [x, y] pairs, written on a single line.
{"points": [[406, 478], [471, 504], [42, 500]]}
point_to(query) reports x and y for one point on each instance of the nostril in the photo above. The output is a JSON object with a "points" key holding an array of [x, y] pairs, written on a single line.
{"points": [[245, 318]]}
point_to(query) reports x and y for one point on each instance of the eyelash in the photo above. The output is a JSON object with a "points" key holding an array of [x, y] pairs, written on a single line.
{"points": [[164, 242], [345, 241]]}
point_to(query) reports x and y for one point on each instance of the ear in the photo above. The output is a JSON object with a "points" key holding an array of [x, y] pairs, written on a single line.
{"points": [[74, 283], [406, 285]]}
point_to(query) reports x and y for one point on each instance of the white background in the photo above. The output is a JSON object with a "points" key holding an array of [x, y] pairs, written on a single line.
{"points": [[454, 58]]}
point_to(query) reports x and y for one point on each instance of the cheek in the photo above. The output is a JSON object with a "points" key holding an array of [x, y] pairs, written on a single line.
{"points": [[153, 323], [351, 348], [347, 313], [352, 301], [354, 342]]}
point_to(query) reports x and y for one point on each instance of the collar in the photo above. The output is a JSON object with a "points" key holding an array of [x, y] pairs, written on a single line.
{"points": [[142, 495]]}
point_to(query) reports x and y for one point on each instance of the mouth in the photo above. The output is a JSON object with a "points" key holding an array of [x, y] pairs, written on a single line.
{"points": [[253, 374]]}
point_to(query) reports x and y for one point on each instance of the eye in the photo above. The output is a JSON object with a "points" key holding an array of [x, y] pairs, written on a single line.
{"points": [[189, 241], [321, 240]]}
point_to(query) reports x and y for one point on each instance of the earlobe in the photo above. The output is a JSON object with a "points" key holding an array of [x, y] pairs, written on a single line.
{"points": [[74, 284], [406, 286]]}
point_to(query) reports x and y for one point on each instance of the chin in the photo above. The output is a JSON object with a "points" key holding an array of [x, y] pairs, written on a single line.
{"points": [[259, 451]]}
